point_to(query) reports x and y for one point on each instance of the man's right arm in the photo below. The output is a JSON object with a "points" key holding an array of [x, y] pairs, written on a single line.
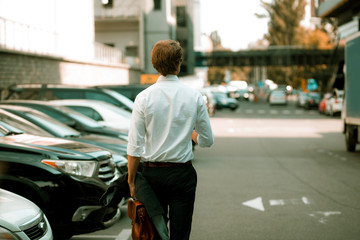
{"points": [[133, 165]]}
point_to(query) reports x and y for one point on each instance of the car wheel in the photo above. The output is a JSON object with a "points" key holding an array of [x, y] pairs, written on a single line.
{"points": [[350, 138]]}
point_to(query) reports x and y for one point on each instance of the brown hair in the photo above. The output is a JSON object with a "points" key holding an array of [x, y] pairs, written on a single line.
{"points": [[166, 57]]}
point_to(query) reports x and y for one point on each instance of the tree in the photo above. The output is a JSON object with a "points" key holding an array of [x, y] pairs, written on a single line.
{"points": [[284, 25]]}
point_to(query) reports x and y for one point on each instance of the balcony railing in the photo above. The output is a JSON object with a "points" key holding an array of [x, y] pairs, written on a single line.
{"points": [[21, 37]]}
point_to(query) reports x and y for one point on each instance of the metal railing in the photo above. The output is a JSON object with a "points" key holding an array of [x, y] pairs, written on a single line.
{"points": [[24, 38]]}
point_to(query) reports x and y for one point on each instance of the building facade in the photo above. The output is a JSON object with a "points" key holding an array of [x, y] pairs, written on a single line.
{"points": [[347, 13], [53, 41], [134, 26]]}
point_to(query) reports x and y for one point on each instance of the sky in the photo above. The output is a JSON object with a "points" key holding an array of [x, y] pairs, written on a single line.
{"points": [[235, 21]]}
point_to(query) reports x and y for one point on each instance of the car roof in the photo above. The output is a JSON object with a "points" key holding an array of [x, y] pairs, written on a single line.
{"points": [[80, 101]]}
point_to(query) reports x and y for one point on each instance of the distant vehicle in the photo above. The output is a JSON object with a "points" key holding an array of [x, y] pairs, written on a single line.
{"points": [[278, 97], [57, 91], [322, 104], [301, 99], [22, 219], [223, 101], [351, 112], [64, 178], [104, 113], [312, 100], [130, 91], [334, 104]]}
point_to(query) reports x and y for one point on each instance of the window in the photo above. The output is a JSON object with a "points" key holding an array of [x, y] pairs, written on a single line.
{"points": [[157, 4], [68, 94], [131, 51], [101, 97], [181, 16], [87, 111]]}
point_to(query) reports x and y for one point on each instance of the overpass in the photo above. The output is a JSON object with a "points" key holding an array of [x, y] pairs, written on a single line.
{"points": [[271, 56]]}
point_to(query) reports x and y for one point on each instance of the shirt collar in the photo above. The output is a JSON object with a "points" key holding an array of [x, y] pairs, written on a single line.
{"points": [[168, 78]]}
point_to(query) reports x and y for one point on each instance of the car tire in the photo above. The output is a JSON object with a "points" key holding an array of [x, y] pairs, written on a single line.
{"points": [[350, 138]]}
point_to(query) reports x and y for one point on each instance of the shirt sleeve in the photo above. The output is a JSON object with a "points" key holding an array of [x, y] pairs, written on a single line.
{"points": [[136, 140], [202, 125]]}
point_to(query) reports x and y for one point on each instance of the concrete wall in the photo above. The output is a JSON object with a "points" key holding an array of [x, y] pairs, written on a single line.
{"points": [[18, 68]]}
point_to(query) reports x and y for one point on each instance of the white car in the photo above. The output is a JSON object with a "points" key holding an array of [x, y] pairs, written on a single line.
{"points": [[104, 113], [334, 104], [22, 219], [277, 97]]}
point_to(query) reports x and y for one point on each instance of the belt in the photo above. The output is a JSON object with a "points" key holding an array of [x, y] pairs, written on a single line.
{"points": [[165, 164]]}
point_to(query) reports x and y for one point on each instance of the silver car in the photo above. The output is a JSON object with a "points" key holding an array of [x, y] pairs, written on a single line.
{"points": [[22, 219]]}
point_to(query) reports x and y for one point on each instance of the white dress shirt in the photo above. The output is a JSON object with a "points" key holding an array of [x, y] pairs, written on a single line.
{"points": [[162, 121]]}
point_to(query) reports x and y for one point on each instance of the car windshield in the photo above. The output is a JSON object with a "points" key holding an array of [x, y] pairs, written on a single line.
{"points": [[118, 111], [49, 123], [20, 123], [126, 101], [7, 129], [79, 117]]}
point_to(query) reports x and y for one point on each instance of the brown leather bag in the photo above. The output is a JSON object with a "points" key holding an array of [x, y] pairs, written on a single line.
{"points": [[142, 226]]}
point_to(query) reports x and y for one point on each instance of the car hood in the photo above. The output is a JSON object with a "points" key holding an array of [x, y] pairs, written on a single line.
{"points": [[116, 145], [61, 148], [15, 210]]}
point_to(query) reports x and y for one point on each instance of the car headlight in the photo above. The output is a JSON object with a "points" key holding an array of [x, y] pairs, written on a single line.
{"points": [[6, 234], [77, 168]]}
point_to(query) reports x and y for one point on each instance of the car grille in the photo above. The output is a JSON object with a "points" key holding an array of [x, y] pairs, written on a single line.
{"points": [[37, 230], [106, 170]]}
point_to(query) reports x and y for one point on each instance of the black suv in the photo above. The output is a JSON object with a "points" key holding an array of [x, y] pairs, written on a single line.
{"points": [[64, 178], [58, 91]]}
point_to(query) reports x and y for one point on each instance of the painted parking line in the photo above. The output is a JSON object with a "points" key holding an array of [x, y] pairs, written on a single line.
{"points": [[94, 237], [125, 234]]}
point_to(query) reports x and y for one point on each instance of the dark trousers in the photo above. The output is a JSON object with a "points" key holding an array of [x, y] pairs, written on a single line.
{"points": [[175, 188]]}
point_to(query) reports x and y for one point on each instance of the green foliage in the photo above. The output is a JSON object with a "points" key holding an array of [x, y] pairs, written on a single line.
{"points": [[284, 25]]}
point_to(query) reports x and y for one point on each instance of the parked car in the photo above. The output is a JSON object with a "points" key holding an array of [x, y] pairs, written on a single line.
{"points": [[70, 117], [242, 94], [130, 91], [278, 97], [49, 127], [323, 101], [105, 114], [335, 103], [301, 99], [64, 178], [22, 219], [223, 101], [312, 101], [58, 91]]}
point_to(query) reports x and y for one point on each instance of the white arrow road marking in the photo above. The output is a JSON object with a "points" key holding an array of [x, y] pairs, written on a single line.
{"points": [[255, 203], [276, 202], [305, 200], [323, 216]]}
